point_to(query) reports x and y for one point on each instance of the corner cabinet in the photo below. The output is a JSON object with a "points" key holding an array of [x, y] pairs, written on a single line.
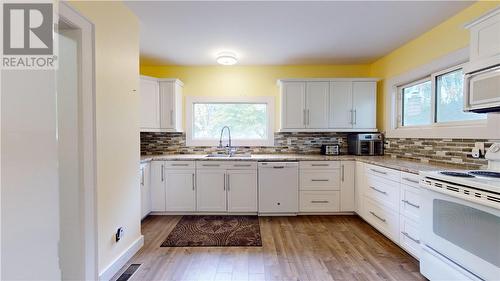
{"points": [[161, 104], [318, 105]]}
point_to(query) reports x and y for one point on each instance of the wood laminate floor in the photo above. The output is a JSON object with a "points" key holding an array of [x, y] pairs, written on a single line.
{"points": [[305, 248]]}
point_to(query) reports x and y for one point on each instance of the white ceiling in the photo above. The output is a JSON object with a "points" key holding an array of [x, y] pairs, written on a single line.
{"points": [[277, 33]]}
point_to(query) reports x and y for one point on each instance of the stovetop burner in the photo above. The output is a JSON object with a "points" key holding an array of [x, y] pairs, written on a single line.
{"points": [[457, 174], [489, 174]]}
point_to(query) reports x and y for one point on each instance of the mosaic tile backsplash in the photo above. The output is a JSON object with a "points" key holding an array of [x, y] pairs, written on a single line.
{"points": [[291, 143], [443, 151]]}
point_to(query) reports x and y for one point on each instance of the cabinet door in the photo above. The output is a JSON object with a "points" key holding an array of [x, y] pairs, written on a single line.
{"points": [[145, 190], [180, 190], [211, 190], [359, 185], [150, 104], [167, 105], [317, 104], [341, 114], [365, 105], [157, 186], [242, 190], [347, 196], [293, 105]]}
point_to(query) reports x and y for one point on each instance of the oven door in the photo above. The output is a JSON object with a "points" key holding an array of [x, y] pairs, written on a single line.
{"points": [[482, 90], [466, 233]]}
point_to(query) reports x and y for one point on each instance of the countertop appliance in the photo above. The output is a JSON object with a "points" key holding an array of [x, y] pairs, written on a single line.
{"points": [[366, 144], [460, 226], [330, 149], [278, 188]]}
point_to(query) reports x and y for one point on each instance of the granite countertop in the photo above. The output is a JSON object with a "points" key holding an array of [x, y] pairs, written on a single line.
{"points": [[384, 161]]}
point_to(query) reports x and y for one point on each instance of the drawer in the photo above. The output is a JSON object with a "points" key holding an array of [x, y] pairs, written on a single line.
{"points": [[180, 164], [319, 201], [410, 202], [386, 173], [383, 191], [410, 179], [242, 165], [319, 164], [320, 180], [210, 165], [409, 236], [382, 218]]}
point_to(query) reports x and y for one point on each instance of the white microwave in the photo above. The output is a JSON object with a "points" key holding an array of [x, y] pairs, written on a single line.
{"points": [[482, 90]]}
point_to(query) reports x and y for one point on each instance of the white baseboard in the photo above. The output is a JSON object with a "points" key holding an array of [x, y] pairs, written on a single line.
{"points": [[121, 260]]}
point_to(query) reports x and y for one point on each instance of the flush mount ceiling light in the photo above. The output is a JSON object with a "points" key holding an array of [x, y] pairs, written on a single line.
{"points": [[226, 58]]}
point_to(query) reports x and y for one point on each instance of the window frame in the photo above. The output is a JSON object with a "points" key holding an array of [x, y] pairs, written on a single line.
{"points": [[268, 100], [432, 77]]}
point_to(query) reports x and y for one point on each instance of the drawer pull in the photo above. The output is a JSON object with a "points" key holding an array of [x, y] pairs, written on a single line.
{"points": [[380, 172], [409, 237], [375, 215], [378, 190], [319, 180], [180, 165], [320, 201], [242, 165], [410, 180], [278, 167], [411, 204], [320, 165], [211, 165], [194, 180]]}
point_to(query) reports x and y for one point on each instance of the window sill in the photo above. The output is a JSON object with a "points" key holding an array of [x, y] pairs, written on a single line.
{"points": [[235, 143]]}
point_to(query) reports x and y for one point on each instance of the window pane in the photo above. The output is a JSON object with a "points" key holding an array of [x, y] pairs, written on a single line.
{"points": [[449, 98], [246, 120], [417, 104]]}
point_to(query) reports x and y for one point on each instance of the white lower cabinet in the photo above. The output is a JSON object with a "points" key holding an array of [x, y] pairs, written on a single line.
{"points": [[145, 189], [347, 186], [319, 201], [211, 190], [180, 190], [382, 218], [158, 186], [409, 236], [242, 190]]}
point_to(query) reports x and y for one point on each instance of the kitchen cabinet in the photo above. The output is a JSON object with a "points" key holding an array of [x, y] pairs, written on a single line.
{"points": [[180, 188], [161, 104], [484, 50], [226, 186], [347, 190], [158, 186], [360, 183], [145, 189], [328, 104], [319, 188]]}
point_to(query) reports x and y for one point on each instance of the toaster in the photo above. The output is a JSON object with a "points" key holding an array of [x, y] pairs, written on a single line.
{"points": [[330, 149]]}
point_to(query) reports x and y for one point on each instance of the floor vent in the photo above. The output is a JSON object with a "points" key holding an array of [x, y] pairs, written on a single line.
{"points": [[129, 272]]}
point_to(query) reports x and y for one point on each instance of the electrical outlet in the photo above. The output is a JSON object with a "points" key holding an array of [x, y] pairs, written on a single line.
{"points": [[119, 234]]}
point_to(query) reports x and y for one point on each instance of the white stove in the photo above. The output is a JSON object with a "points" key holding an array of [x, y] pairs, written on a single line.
{"points": [[460, 222]]}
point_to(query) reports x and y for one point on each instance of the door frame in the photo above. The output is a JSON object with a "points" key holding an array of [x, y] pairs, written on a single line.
{"points": [[87, 129]]}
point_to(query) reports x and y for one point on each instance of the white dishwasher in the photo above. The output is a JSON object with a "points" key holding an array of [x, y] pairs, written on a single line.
{"points": [[278, 188]]}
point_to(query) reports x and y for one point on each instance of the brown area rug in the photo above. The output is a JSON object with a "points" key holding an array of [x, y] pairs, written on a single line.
{"points": [[215, 231]]}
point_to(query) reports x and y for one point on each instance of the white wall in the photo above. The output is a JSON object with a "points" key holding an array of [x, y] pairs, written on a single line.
{"points": [[29, 183]]}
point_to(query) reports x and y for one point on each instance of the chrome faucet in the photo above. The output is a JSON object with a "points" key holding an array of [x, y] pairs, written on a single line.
{"points": [[229, 149]]}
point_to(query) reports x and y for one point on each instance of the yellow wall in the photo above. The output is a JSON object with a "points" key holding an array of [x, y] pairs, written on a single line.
{"points": [[443, 39], [117, 121], [228, 81]]}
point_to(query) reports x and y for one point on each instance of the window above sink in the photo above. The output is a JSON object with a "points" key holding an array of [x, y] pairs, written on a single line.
{"points": [[251, 120]]}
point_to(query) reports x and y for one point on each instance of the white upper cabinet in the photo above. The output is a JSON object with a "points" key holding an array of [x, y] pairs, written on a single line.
{"points": [[343, 104], [150, 100], [294, 102], [364, 101], [161, 105], [317, 95], [341, 114]]}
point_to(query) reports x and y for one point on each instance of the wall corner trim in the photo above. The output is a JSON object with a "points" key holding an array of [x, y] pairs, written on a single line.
{"points": [[121, 260]]}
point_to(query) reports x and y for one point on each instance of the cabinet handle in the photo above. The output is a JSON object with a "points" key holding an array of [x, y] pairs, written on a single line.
{"points": [[211, 165], [319, 180], [352, 116], [242, 165], [378, 190], [142, 176], [162, 172], [410, 180], [228, 183], [225, 181], [355, 117], [409, 237], [180, 165], [380, 172], [375, 215], [342, 172], [411, 204], [278, 167], [320, 165], [194, 181], [320, 201]]}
